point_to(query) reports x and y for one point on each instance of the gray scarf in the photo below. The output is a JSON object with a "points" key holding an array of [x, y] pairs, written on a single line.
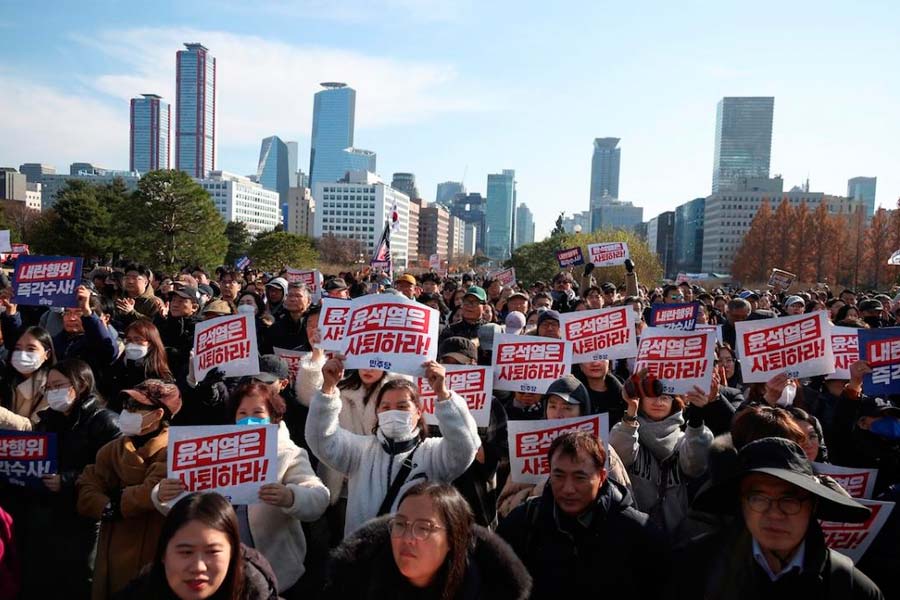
{"points": [[661, 437]]}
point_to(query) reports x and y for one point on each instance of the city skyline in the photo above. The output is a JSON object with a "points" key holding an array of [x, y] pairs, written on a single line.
{"points": [[444, 110]]}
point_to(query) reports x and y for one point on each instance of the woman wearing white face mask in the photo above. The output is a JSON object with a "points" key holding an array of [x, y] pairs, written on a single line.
{"points": [[398, 454], [144, 358], [55, 532], [22, 384], [250, 303]]}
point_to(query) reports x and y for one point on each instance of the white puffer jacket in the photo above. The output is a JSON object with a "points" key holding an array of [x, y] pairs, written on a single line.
{"points": [[370, 469], [277, 533]]}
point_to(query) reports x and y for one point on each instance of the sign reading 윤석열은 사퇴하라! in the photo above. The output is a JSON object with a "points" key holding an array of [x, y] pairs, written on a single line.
{"points": [[26, 456], [845, 347], [679, 359], [390, 332], [473, 383], [798, 346], [227, 343], [523, 363], [46, 280], [880, 348], [530, 440], [853, 539], [600, 334], [333, 324], [608, 254], [675, 316], [311, 278], [232, 460]]}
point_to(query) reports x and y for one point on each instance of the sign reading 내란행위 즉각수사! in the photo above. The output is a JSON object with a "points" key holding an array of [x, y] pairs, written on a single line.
{"points": [[26, 457], [675, 316], [530, 364], [600, 334], [798, 346], [880, 348], [471, 382], [46, 280], [570, 257], [390, 332]]}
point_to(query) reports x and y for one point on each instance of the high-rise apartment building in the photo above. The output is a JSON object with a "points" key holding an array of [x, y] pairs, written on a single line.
{"points": [[661, 240], [605, 170], [358, 208], [406, 183], [457, 239], [524, 225], [195, 109], [743, 141], [863, 190], [447, 191], [501, 200], [434, 231], [301, 210], [151, 127], [273, 170], [238, 198]]}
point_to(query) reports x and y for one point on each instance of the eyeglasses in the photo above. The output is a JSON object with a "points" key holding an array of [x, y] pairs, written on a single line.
{"points": [[421, 529], [789, 505], [677, 297]]}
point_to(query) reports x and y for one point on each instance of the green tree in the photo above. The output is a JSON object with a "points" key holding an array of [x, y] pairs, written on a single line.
{"points": [[119, 202], [82, 224], [280, 249], [174, 222], [239, 240]]}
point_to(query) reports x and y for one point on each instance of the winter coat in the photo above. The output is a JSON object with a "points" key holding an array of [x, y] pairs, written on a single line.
{"points": [[177, 334], [661, 459], [259, 582], [276, 530], [56, 533], [95, 346], [363, 568], [285, 333], [146, 306], [610, 552], [369, 466], [128, 542], [22, 412], [125, 374], [721, 566]]}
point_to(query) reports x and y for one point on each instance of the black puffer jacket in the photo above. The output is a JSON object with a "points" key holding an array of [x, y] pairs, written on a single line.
{"points": [[363, 568]]}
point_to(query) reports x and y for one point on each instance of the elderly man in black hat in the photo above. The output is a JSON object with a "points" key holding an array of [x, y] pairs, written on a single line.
{"points": [[775, 548]]}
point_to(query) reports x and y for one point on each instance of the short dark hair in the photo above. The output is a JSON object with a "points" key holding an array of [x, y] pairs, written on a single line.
{"points": [[138, 268], [401, 383], [274, 402], [571, 442]]}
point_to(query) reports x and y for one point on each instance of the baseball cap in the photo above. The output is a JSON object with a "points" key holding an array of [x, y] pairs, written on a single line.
{"points": [[608, 287], [459, 348], [793, 300], [186, 291], [570, 390], [870, 304], [478, 292], [334, 284], [522, 295], [279, 282], [206, 290], [156, 393], [548, 315], [272, 368], [406, 277]]}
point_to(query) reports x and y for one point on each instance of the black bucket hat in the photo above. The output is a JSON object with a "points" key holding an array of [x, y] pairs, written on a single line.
{"points": [[785, 460]]}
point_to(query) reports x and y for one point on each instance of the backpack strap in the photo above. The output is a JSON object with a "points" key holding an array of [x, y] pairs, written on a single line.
{"points": [[397, 483]]}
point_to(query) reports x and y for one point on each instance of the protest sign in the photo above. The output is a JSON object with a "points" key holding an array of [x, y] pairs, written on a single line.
{"points": [[881, 349], [571, 257], [390, 332], [473, 383], [292, 358], [680, 359], [434, 262], [853, 539], [799, 346], [227, 343], [4, 241], [859, 482], [333, 324], [894, 259], [604, 333], [46, 280], [845, 347], [506, 276], [242, 263], [608, 254], [529, 442], [232, 460], [714, 328], [25, 457], [524, 363], [675, 316], [782, 279], [311, 278]]}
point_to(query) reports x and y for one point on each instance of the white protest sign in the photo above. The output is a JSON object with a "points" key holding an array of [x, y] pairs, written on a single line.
{"points": [[608, 254], [524, 363], [390, 332], [853, 539], [859, 482], [530, 440], [5, 246], [232, 460], [507, 277], [311, 278], [292, 358], [604, 333], [228, 343], [845, 347], [473, 383], [679, 359], [333, 324], [798, 345], [782, 279], [715, 328]]}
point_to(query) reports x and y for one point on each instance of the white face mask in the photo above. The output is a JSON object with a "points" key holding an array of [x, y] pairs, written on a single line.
{"points": [[131, 423], [26, 363], [396, 425], [787, 395], [136, 351], [246, 309], [59, 399]]}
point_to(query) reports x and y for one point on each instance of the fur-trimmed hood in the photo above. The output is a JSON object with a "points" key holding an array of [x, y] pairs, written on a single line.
{"points": [[363, 568]]}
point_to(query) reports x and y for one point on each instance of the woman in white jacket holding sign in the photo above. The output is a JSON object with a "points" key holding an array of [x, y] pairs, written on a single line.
{"points": [[380, 466]]}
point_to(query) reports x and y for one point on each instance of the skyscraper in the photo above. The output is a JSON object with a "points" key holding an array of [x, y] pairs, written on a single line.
{"points": [[150, 132], [863, 189], [472, 209], [501, 199], [447, 191], [195, 107], [743, 141], [661, 239], [605, 170], [293, 149], [272, 171], [524, 225], [406, 183]]}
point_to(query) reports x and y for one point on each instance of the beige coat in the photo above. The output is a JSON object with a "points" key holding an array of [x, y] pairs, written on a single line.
{"points": [[26, 405]]}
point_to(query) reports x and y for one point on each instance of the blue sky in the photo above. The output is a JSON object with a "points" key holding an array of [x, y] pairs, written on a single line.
{"points": [[451, 88]]}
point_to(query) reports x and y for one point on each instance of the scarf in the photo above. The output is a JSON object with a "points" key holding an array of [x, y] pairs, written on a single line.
{"points": [[661, 437]]}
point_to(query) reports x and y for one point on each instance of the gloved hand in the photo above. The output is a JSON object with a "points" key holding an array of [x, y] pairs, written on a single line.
{"points": [[213, 377], [629, 265]]}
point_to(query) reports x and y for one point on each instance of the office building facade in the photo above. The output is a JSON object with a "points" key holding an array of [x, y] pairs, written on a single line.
{"points": [[434, 231], [195, 109], [150, 133], [34, 171], [406, 183], [688, 234], [743, 141], [447, 191], [605, 164], [501, 200], [13, 184], [237, 198], [524, 225], [412, 243], [661, 240], [862, 189], [472, 209], [457, 239], [273, 169], [301, 210], [611, 213], [293, 152], [52, 183]]}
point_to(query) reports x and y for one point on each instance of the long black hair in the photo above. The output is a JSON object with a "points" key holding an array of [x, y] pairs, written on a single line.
{"points": [[11, 378], [81, 377]]}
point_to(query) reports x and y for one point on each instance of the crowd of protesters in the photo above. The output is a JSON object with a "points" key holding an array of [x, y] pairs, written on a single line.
{"points": [[710, 494]]}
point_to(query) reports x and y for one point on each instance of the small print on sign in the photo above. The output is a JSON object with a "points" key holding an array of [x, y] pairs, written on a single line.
{"points": [[473, 383], [530, 364], [601, 334]]}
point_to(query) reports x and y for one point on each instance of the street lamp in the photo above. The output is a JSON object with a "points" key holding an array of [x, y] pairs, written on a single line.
{"points": [[577, 228]]}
